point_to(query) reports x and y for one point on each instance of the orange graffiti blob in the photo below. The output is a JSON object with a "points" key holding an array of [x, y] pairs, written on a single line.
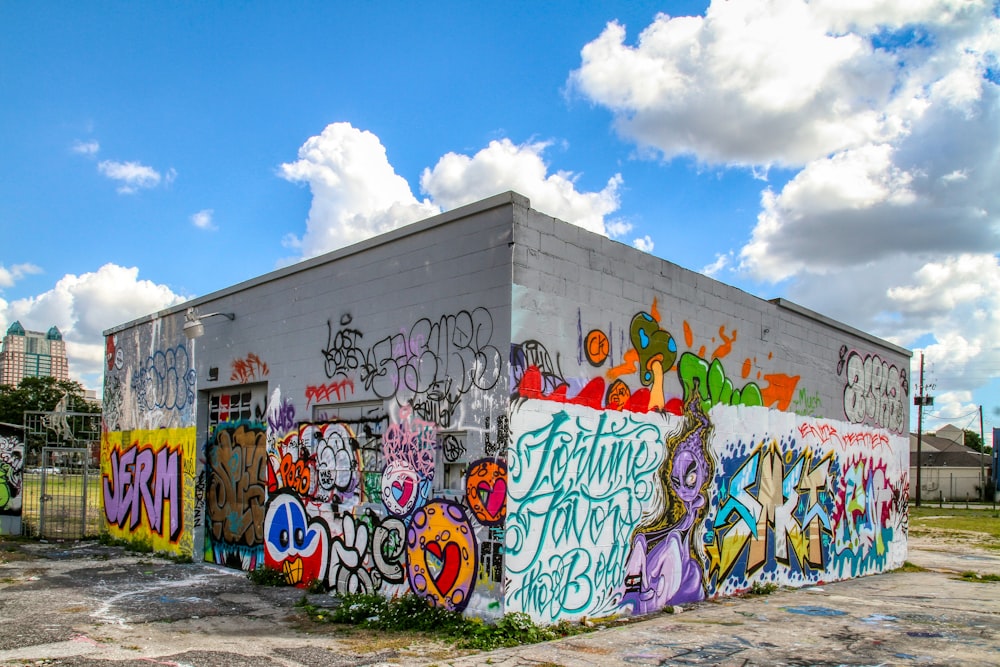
{"points": [[727, 347], [746, 368], [780, 390], [630, 365], [688, 336], [653, 312]]}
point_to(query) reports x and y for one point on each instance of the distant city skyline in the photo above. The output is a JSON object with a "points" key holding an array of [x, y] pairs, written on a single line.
{"points": [[841, 156]]}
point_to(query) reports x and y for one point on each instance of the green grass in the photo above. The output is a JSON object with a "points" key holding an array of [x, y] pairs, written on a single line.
{"points": [[410, 613], [907, 566], [981, 524], [57, 486], [975, 576]]}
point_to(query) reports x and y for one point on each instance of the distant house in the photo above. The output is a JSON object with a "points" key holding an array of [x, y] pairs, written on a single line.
{"points": [[949, 470]]}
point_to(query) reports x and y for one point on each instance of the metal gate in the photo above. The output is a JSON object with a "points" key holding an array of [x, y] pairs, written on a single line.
{"points": [[64, 484], [61, 477]]}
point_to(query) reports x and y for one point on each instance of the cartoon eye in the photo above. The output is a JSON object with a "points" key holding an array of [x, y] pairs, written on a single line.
{"points": [[299, 536], [691, 474], [283, 539]]}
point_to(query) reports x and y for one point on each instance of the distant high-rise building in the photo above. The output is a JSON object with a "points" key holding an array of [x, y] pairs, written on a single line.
{"points": [[32, 354]]}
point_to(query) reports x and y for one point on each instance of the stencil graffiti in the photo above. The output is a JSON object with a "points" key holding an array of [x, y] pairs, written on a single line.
{"points": [[236, 493], [876, 390], [497, 446], [145, 484]]}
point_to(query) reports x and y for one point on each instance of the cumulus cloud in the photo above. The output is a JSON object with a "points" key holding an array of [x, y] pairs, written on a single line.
{"points": [[84, 306], [10, 276], [203, 219], [132, 176], [888, 113], [503, 165], [357, 194], [644, 244]]}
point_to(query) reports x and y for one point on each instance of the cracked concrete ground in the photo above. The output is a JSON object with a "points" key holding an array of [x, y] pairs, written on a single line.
{"points": [[86, 604]]}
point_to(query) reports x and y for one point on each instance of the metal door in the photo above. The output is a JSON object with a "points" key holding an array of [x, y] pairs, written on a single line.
{"points": [[65, 480]]}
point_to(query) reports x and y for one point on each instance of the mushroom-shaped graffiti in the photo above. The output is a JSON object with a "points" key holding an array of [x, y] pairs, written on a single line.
{"points": [[657, 351]]}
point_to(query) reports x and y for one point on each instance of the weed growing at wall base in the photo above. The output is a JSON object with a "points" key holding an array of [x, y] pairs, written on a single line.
{"points": [[413, 613], [975, 576]]}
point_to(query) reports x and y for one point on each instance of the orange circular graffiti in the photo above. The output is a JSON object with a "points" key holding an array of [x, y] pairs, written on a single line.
{"points": [[441, 555], [486, 491], [597, 347]]}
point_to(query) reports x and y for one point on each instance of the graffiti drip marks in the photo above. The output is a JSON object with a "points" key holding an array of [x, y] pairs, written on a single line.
{"points": [[145, 483]]}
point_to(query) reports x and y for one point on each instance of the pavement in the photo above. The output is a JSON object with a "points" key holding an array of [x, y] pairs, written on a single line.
{"points": [[84, 604]]}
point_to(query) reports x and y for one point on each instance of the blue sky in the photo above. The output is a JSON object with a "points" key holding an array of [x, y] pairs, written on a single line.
{"points": [[845, 158]]}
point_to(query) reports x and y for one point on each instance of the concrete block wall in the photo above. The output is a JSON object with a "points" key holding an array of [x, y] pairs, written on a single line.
{"points": [[675, 439], [366, 455]]}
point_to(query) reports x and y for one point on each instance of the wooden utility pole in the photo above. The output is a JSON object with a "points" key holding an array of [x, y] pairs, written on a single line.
{"points": [[982, 466], [920, 401]]}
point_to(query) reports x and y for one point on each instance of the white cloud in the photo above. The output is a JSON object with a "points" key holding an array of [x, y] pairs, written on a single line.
{"points": [[890, 112], [132, 176], [203, 219], [83, 306], [10, 276], [751, 82], [356, 193], [86, 147], [722, 260], [644, 244], [459, 179]]}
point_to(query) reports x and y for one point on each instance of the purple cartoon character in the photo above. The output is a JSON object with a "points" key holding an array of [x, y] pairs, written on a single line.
{"points": [[661, 569]]}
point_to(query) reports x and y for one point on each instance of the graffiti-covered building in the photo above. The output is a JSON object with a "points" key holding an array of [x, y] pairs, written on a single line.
{"points": [[499, 411]]}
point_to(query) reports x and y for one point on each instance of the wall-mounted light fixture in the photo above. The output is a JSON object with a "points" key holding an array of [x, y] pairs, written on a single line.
{"points": [[193, 327]]}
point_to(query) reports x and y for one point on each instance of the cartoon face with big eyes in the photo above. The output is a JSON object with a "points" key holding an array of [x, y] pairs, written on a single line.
{"points": [[687, 475], [295, 544]]}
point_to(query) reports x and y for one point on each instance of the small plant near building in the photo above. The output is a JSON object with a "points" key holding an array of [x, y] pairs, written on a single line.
{"points": [[266, 576], [907, 566], [412, 613], [975, 576], [760, 588]]}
